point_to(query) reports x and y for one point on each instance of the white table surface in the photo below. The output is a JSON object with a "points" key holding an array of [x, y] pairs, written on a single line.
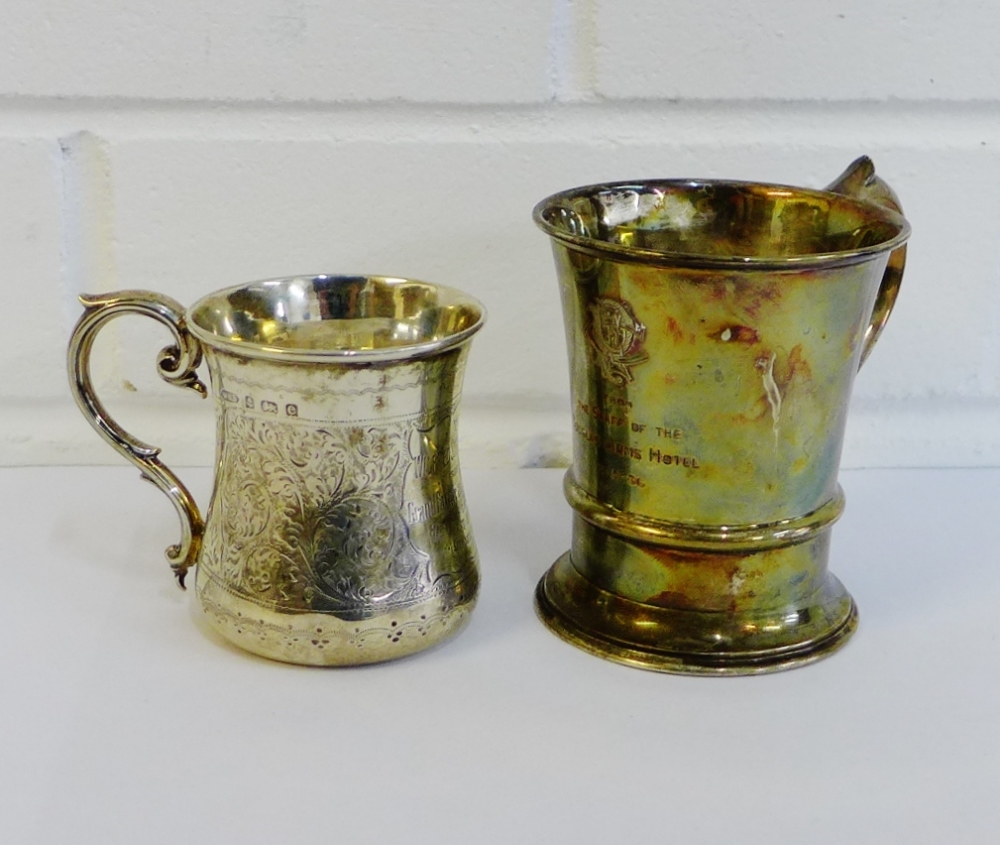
{"points": [[126, 720]]}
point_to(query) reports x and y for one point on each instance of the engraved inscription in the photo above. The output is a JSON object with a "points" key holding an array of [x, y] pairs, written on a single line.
{"points": [[658, 457], [610, 446], [592, 411], [436, 504], [628, 478], [592, 423], [426, 463]]}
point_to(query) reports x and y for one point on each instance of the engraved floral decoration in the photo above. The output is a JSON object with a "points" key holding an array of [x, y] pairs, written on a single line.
{"points": [[311, 518]]}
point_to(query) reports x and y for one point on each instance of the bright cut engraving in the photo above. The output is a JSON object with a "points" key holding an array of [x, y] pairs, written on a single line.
{"points": [[338, 532]]}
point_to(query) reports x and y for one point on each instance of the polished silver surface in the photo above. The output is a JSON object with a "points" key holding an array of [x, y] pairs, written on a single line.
{"points": [[337, 531]]}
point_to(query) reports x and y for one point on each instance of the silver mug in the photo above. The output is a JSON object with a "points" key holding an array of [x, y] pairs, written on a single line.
{"points": [[337, 531]]}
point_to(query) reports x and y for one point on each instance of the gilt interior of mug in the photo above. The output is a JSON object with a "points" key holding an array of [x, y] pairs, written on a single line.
{"points": [[319, 318], [711, 222]]}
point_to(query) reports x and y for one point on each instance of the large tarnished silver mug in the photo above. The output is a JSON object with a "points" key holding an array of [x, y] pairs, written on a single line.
{"points": [[337, 531], [714, 332]]}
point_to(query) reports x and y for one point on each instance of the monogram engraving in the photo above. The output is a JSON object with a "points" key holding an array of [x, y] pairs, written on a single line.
{"points": [[615, 337]]}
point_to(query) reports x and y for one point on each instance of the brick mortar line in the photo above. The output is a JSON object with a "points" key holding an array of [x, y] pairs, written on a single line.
{"points": [[631, 121]]}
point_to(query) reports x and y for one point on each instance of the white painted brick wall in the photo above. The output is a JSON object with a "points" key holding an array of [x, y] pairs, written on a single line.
{"points": [[189, 146], [277, 50], [787, 49]]}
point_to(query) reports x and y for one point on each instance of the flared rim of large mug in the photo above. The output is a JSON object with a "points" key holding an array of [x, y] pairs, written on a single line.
{"points": [[591, 244], [327, 318]]}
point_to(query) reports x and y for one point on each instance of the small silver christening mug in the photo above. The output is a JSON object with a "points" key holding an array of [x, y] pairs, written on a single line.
{"points": [[337, 531]]}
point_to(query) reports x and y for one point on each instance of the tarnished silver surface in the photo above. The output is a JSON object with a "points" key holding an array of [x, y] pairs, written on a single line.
{"points": [[714, 331], [337, 531]]}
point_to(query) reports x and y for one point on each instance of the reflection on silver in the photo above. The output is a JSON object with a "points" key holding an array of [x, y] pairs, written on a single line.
{"points": [[337, 531]]}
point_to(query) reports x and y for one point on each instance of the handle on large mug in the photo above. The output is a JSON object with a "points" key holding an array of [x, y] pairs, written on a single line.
{"points": [[860, 181], [176, 365]]}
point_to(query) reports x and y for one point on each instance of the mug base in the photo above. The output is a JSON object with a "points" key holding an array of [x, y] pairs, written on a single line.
{"points": [[691, 642], [323, 639]]}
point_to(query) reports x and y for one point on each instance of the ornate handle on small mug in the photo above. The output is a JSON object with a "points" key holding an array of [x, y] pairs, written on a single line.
{"points": [[176, 365], [860, 181]]}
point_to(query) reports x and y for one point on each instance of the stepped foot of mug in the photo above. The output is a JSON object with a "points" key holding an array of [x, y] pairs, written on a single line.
{"points": [[691, 642]]}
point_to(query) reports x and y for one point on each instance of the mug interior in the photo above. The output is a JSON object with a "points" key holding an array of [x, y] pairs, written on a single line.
{"points": [[321, 317], [729, 221]]}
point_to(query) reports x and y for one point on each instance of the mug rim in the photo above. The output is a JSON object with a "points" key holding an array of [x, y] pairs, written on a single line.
{"points": [[605, 249], [402, 352]]}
